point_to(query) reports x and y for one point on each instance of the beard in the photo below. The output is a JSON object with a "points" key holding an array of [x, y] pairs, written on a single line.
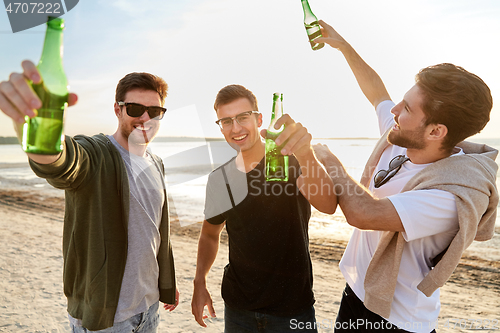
{"points": [[140, 137], [407, 139]]}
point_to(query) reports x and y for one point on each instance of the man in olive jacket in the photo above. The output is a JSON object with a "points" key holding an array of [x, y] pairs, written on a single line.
{"points": [[118, 261]]}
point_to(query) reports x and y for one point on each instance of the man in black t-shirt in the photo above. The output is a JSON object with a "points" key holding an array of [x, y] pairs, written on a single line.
{"points": [[267, 284]]}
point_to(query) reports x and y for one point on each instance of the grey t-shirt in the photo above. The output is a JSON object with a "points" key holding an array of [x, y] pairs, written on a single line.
{"points": [[139, 288]]}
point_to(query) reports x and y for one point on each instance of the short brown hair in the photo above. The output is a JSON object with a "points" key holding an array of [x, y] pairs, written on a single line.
{"points": [[143, 81], [233, 92], [455, 98]]}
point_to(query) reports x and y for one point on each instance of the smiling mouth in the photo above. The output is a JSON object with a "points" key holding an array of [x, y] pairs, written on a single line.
{"points": [[142, 127], [240, 138]]}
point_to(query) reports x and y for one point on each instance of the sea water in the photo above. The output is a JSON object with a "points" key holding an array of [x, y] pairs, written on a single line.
{"points": [[188, 164]]}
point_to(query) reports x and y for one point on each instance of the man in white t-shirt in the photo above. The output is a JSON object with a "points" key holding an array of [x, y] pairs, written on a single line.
{"points": [[402, 230]]}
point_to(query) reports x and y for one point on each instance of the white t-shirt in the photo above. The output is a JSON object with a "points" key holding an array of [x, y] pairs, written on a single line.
{"points": [[430, 220]]}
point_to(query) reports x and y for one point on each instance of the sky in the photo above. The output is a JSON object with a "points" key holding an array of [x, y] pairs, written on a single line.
{"points": [[200, 46]]}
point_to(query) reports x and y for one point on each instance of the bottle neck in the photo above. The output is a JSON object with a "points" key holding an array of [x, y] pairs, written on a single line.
{"points": [[50, 65], [52, 47], [306, 8], [277, 113], [309, 17]]}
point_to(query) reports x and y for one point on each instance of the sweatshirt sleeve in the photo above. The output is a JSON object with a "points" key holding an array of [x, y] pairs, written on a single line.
{"points": [[69, 171]]}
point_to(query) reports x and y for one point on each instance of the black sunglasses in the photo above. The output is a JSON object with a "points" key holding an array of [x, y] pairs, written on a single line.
{"points": [[136, 110], [383, 176]]}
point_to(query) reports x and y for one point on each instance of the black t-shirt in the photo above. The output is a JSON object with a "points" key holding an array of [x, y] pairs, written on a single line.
{"points": [[269, 268]]}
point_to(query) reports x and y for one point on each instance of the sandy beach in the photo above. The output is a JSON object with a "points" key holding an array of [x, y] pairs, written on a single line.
{"points": [[31, 293]]}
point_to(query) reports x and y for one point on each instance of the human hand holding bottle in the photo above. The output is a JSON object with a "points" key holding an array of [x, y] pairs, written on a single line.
{"points": [[295, 137], [330, 36], [297, 141], [17, 98]]}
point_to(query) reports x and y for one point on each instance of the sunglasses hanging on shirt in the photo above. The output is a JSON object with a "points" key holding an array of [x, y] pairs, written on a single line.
{"points": [[383, 176]]}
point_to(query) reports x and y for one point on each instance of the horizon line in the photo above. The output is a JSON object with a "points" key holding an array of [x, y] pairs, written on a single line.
{"points": [[200, 138]]}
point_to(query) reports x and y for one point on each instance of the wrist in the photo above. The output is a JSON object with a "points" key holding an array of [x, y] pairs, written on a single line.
{"points": [[305, 155], [333, 167], [200, 282]]}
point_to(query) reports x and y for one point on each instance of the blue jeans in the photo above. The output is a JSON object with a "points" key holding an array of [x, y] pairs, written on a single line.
{"points": [[145, 322], [242, 321]]}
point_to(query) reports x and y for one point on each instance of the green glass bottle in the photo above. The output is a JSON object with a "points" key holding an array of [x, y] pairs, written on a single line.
{"points": [[312, 26], [276, 163], [43, 134]]}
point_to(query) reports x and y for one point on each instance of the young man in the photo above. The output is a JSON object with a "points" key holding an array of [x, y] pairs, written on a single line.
{"points": [[118, 260], [428, 196], [267, 285]]}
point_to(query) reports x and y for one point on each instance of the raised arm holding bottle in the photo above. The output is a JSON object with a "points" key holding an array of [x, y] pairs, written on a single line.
{"points": [[43, 134], [18, 100], [424, 196], [38, 97], [369, 81]]}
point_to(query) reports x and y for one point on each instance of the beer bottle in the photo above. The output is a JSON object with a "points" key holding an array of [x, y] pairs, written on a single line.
{"points": [[276, 163], [312, 26], [43, 134]]}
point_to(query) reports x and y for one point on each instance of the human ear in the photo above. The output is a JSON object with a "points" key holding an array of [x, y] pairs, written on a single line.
{"points": [[117, 109], [438, 132]]}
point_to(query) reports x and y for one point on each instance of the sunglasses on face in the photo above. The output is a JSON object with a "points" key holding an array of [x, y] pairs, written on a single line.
{"points": [[383, 176], [241, 118], [136, 110]]}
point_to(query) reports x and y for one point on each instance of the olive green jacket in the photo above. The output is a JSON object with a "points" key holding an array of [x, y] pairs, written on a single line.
{"points": [[93, 175]]}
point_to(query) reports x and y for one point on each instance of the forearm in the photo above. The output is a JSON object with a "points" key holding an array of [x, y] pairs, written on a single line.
{"points": [[356, 202], [43, 159], [208, 247], [360, 208], [368, 80], [75, 164], [315, 184]]}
